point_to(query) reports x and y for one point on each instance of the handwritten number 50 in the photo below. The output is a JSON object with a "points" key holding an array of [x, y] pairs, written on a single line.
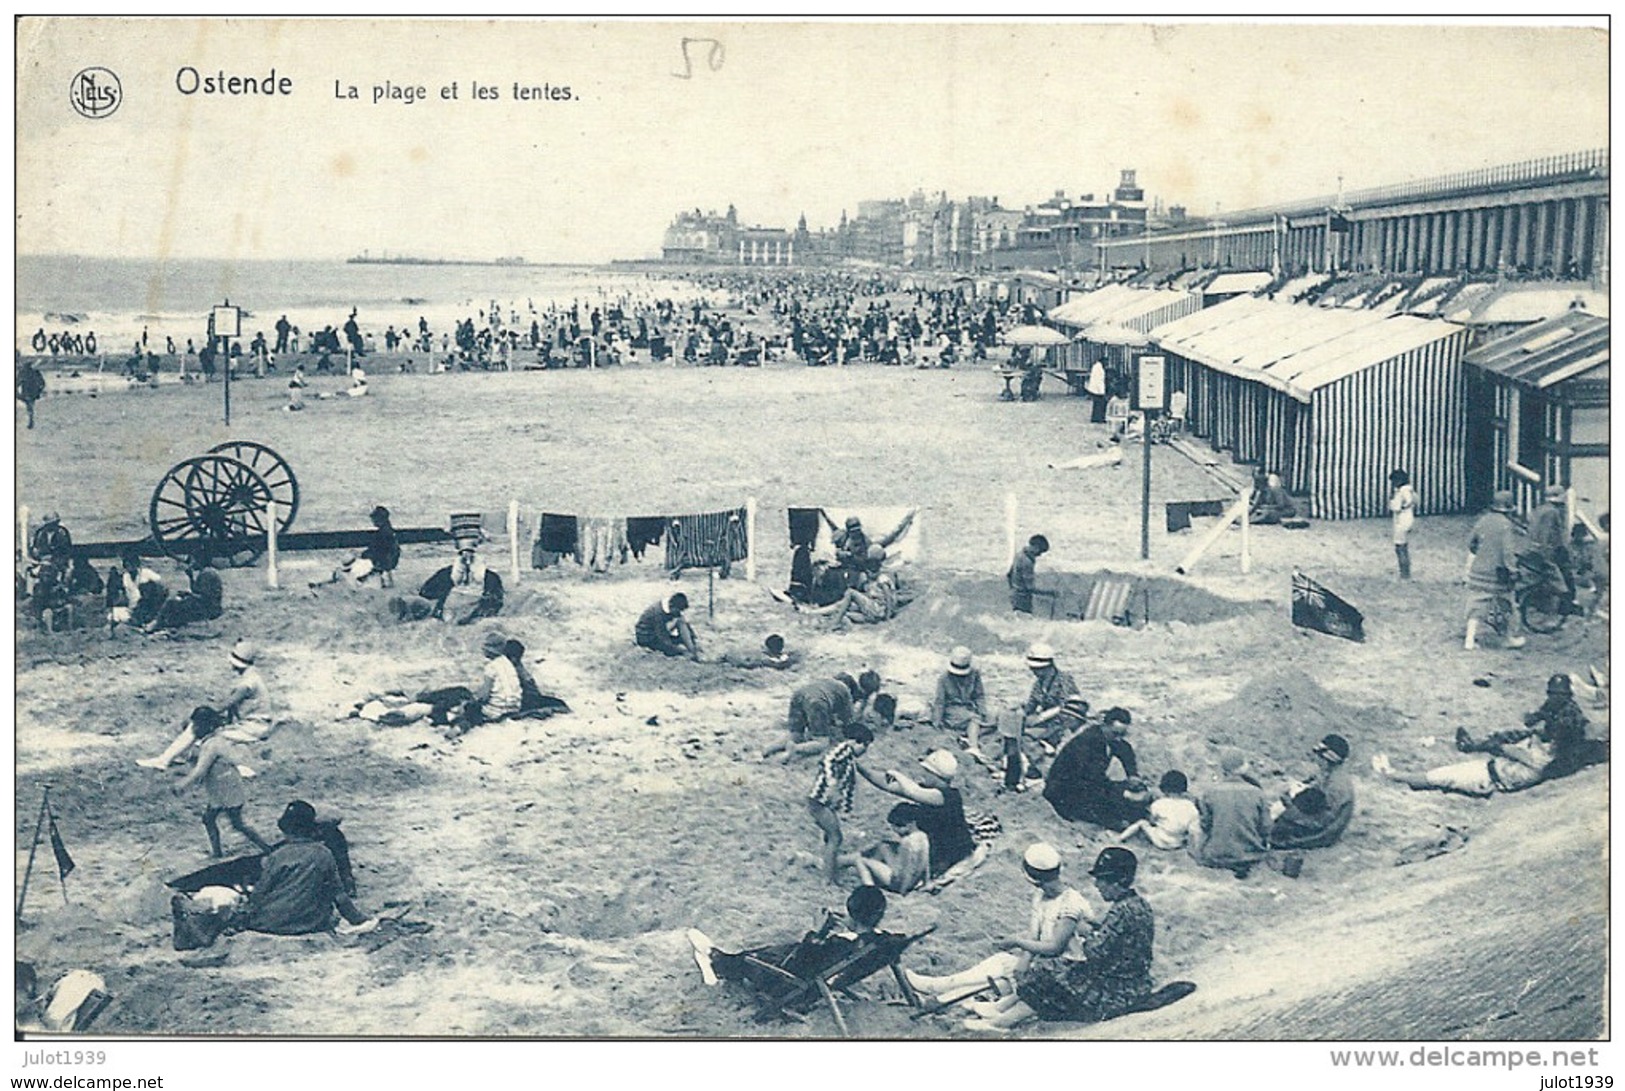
{"points": [[713, 56]]}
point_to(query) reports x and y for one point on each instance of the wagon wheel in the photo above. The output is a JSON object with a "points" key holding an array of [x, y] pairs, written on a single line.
{"points": [[273, 470], [215, 501]]}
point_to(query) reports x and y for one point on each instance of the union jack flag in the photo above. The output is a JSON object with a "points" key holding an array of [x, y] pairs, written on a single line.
{"points": [[1314, 607]]}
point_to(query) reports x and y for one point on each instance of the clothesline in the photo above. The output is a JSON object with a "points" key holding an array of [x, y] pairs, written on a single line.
{"points": [[705, 540]]}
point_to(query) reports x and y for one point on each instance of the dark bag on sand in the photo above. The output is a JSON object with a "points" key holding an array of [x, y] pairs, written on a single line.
{"points": [[195, 925]]}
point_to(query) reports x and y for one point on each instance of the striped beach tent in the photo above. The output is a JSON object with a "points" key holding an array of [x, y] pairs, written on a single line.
{"points": [[1331, 399]]}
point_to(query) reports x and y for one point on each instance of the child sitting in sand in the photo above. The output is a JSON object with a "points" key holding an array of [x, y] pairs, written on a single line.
{"points": [[902, 860], [1173, 815]]}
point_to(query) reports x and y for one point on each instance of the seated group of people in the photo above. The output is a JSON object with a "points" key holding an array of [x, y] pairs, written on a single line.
{"points": [[857, 587], [1070, 964]]}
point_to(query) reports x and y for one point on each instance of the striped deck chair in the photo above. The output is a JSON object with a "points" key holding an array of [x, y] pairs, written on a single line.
{"points": [[1108, 600]]}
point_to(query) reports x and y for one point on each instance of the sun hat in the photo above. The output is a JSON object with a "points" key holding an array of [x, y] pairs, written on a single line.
{"points": [[853, 521], [494, 643], [1040, 655], [959, 660], [243, 654], [1502, 501], [1334, 748], [1231, 760], [50, 517], [1041, 862], [1556, 492], [1559, 683], [1116, 863], [1075, 706], [942, 763], [298, 818]]}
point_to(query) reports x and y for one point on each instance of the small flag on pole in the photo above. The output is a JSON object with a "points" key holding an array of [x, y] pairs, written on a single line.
{"points": [[1314, 607], [64, 862]]}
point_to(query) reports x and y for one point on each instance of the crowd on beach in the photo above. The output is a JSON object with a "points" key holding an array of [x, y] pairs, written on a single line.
{"points": [[1076, 958]]}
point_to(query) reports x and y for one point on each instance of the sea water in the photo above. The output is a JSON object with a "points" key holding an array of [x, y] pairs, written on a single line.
{"points": [[118, 298]]}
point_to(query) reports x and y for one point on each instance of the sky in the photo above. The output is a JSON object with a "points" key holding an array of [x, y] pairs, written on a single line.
{"points": [[779, 119]]}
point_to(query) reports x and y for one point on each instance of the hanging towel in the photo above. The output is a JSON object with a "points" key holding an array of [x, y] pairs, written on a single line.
{"points": [[712, 540], [557, 533], [804, 524], [643, 531], [603, 541]]}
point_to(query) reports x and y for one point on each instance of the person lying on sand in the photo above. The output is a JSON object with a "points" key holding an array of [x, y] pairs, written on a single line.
{"points": [[1551, 744], [773, 656]]}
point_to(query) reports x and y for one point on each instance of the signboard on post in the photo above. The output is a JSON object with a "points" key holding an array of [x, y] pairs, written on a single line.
{"points": [[1148, 389], [228, 321]]}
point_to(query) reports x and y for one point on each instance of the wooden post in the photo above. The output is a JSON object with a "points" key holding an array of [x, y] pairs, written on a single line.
{"points": [[1237, 510], [750, 538], [39, 825], [272, 578], [22, 529], [1009, 530], [1570, 502], [513, 540], [711, 592], [1145, 493], [1246, 524]]}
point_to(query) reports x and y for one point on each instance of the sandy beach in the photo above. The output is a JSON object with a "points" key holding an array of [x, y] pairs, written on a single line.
{"points": [[560, 862]]}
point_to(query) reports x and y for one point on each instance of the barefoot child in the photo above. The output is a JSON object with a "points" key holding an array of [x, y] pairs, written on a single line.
{"points": [[217, 768], [832, 791]]}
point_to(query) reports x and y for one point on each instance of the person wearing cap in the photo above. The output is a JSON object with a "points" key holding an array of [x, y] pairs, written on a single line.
{"points": [[498, 694], [299, 887], [467, 590], [1050, 690], [246, 708], [1551, 744], [853, 546], [380, 556], [1549, 537], [1058, 911], [216, 768], [1023, 576], [1109, 977], [51, 542], [1299, 827], [662, 628], [960, 705], [1235, 818], [819, 711], [1492, 549], [1079, 784], [941, 807]]}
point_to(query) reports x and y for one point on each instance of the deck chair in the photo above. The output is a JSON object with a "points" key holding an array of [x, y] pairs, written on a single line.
{"points": [[783, 993], [1109, 601]]}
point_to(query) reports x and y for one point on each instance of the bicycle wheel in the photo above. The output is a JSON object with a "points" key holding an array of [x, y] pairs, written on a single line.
{"points": [[1541, 609]]}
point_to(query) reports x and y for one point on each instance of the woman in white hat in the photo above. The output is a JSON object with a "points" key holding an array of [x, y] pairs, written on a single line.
{"points": [[961, 699], [942, 809], [246, 708], [1057, 913]]}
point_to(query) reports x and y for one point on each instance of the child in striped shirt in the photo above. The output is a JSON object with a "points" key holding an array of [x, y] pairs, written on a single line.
{"points": [[832, 791]]}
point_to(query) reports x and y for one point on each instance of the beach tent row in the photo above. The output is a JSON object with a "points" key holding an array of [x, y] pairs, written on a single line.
{"points": [[1330, 399], [1118, 305]]}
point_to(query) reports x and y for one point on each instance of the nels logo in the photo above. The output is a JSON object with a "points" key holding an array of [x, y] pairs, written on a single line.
{"points": [[95, 92]]}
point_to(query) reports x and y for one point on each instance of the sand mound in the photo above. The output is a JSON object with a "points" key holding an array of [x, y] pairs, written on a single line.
{"points": [[1285, 712]]}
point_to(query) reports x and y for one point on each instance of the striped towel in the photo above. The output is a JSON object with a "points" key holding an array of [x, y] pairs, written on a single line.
{"points": [[1108, 601]]}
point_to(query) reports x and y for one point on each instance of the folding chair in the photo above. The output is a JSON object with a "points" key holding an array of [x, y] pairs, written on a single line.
{"points": [[786, 993]]}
